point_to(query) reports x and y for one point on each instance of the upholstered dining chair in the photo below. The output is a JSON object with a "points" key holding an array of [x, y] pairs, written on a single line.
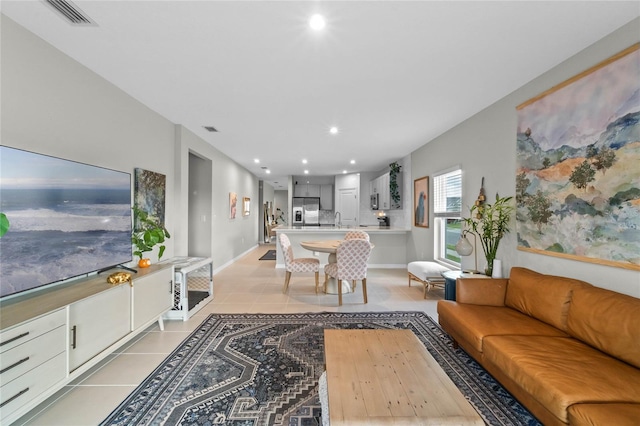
{"points": [[301, 264], [356, 235], [351, 264]]}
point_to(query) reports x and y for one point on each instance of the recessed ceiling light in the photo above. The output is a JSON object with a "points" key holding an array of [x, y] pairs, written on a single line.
{"points": [[304, 161], [317, 22], [333, 130], [268, 171], [353, 161], [344, 172], [306, 172], [255, 160]]}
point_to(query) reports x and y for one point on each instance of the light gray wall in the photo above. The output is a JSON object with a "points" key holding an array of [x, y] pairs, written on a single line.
{"points": [[230, 238], [266, 196], [53, 105], [281, 202], [200, 201], [484, 145]]}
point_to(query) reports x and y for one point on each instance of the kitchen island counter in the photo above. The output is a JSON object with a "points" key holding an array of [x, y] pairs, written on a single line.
{"points": [[369, 229], [390, 243]]}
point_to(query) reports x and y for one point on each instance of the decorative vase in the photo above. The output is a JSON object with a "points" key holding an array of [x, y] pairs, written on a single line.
{"points": [[488, 268], [497, 269], [144, 263]]}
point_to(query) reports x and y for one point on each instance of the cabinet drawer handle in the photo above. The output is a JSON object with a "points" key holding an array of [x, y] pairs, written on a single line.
{"points": [[19, 336], [73, 339], [14, 397], [15, 364], [170, 286]]}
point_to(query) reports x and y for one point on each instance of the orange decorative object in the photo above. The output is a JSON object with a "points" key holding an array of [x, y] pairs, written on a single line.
{"points": [[144, 263]]}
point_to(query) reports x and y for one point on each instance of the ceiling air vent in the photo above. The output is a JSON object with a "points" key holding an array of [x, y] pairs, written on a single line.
{"points": [[210, 128], [70, 11]]}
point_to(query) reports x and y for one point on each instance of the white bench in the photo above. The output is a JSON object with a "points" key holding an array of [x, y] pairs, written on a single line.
{"points": [[429, 274]]}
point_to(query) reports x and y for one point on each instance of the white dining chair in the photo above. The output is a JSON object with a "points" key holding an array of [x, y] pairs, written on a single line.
{"points": [[356, 235], [301, 264], [352, 257]]}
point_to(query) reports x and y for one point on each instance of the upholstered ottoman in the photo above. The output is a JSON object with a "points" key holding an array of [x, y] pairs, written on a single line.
{"points": [[426, 273]]}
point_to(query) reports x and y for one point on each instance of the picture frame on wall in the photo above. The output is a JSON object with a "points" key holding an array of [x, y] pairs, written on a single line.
{"points": [[421, 202], [233, 205], [246, 206], [150, 194], [577, 174]]}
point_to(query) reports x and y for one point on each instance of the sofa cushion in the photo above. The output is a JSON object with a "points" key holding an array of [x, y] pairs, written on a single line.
{"points": [[545, 297], [475, 322], [604, 414], [606, 320], [561, 371]]}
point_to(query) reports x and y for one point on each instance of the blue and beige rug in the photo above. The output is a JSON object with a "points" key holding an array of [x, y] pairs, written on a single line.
{"points": [[263, 369]]}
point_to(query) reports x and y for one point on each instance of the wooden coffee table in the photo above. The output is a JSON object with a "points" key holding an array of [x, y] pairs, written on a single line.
{"points": [[384, 377]]}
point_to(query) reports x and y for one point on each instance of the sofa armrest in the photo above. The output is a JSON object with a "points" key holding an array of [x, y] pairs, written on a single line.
{"points": [[481, 291]]}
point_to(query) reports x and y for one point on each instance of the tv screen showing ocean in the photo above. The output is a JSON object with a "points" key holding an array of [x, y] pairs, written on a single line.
{"points": [[56, 234]]}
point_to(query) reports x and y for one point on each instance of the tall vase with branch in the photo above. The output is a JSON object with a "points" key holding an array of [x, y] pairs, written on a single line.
{"points": [[490, 223]]}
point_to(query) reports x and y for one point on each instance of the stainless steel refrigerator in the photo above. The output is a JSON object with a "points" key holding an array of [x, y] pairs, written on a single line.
{"points": [[306, 211]]}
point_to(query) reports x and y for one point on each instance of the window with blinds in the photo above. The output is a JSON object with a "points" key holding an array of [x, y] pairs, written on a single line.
{"points": [[447, 206], [447, 196]]}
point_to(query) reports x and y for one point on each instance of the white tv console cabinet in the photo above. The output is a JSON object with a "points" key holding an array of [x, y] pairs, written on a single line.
{"points": [[50, 337]]}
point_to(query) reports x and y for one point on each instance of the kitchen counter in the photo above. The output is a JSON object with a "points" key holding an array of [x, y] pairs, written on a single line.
{"points": [[390, 243], [369, 229]]}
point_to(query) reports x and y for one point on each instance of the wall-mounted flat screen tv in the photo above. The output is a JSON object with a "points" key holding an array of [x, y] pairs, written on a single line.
{"points": [[66, 219]]}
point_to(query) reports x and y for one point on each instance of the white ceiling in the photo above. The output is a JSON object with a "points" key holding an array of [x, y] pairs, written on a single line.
{"points": [[391, 75]]}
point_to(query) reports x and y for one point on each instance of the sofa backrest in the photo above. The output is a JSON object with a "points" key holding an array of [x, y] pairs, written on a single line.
{"points": [[545, 297], [608, 321]]}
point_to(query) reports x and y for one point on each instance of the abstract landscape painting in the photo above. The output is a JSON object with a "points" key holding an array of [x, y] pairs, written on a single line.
{"points": [[578, 166], [150, 193]]}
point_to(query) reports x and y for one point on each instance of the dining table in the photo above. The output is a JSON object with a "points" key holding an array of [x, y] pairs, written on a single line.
{"points": [[330, 247]]}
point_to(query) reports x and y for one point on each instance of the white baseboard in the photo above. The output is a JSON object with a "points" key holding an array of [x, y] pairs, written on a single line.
{"points": [[234, 260]]}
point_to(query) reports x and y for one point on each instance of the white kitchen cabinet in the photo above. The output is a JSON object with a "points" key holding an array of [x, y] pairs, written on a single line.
{"points": [[306, 190], [152, 297], [97, 322], [384, 192], [382, 186], [313, 190], [326, 197]]}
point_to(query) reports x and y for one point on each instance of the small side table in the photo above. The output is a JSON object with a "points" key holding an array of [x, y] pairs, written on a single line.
{"points": [[450, 278]]}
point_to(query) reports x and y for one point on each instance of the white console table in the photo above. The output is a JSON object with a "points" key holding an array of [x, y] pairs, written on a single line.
{"points": [[193, 286], [50, 337]]}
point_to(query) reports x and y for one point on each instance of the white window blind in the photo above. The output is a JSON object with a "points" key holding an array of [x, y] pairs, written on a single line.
{"points": [[447, 197]]}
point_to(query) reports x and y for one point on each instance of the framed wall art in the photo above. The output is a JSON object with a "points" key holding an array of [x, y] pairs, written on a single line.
{"points": [[246, 206], [577, 166], [421, 202], [233, 205], [150, 193]]}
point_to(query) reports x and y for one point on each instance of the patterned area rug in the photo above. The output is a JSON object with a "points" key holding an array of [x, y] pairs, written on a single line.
{"points": [[269, 255], [263, 369]]}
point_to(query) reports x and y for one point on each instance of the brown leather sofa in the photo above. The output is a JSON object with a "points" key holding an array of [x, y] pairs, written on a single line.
{"points": [[567, 350]]}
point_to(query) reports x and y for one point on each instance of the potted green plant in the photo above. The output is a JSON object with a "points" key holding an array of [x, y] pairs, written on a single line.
{"points": [[394, 169], [4, 224], [148, 232], [490, 222]]}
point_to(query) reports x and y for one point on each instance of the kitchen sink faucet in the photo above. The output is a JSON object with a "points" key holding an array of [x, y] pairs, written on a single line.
{"points": [[339, 222]]}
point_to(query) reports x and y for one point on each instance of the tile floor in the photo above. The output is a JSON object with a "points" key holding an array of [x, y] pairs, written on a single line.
{"points": [[247, 286]]}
